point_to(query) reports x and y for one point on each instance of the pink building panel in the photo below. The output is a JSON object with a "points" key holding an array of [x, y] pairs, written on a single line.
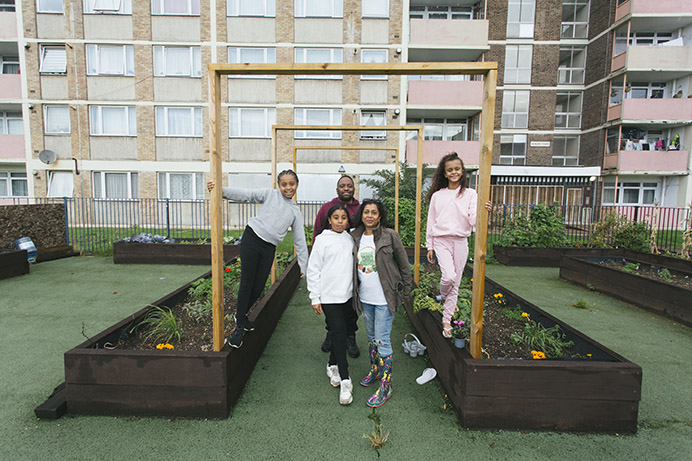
{"points": [[618, 62], [459, 33], [8, 25], [445, 93], [660, 7], [663, 58], [614, 112], [657, 109], [433, 151], [648, 161], [10, 86], [11, 146]]}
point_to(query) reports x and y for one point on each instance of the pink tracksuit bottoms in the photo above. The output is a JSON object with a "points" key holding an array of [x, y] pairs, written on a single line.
{"points": [[451, 253]]}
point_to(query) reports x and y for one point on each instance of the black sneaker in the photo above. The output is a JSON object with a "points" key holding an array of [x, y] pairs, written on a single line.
{"points": [[248, 325], [236, 338], [351, 346], [327, 344]]}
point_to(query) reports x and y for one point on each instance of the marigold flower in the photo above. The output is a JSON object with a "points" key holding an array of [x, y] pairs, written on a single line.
{"points": [[524, 314], [588, 355], [537, 355]]}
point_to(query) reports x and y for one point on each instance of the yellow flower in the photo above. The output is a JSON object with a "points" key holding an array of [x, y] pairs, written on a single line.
{"points": [[524, 314], [499, 295], [159, 346], [537, 355], [588, 355], [164, 346], [472, 280]]}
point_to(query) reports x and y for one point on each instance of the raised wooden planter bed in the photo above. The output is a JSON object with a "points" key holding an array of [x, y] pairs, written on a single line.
{"points": [[168, 253], [544, 256], [170, 383], [653, 295], [13, 263], [598, 394]]}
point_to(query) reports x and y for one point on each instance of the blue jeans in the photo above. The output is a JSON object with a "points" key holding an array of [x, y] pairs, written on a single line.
{"points": [[378, 324]]}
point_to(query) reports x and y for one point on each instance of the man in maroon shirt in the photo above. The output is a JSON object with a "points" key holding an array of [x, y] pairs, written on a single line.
{"points": [[345, 188]]}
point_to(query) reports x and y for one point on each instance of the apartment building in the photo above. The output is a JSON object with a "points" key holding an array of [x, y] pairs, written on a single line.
{"points": [[108, 98]]}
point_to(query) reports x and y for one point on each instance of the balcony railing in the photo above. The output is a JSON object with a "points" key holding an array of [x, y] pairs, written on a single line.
{"points": [[668, 109], [10, 86], [445, 93], [674, 8], [674, 60], [666, 162], [11, 146]]}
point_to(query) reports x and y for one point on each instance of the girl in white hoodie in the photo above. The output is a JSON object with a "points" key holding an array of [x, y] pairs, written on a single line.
{"points": [[331, 289]]}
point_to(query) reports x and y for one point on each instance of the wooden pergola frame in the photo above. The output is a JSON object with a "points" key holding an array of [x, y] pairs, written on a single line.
{"points": [[487, 69]]}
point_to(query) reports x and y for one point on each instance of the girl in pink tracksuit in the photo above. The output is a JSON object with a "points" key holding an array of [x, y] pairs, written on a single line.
{"points": [[451, 219]]}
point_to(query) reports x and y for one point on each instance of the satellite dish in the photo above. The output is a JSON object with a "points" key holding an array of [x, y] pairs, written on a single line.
{"points": [[47, 156]]}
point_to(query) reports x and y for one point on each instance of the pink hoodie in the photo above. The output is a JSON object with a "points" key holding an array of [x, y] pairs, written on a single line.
{"points": [[451, 216]]}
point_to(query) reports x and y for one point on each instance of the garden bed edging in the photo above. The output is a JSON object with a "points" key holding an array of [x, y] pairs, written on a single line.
{"points": [[168, 253]]}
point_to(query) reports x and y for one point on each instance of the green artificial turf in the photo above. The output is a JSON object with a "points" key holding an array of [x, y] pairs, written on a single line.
{"points": [[288, 409]]}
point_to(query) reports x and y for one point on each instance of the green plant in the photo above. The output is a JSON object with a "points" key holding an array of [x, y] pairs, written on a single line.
{"points": [[511, 313], [379, 437], [161, 325], [580, 304], [542, 227], [421, 301], [630, 267], [665, 275], [198, 310], [535, 336], [616, 231], [591, 286], [308, 230]]}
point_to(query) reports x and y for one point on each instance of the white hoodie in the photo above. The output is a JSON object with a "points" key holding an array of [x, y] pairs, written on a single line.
{"points": [[330, 268]]}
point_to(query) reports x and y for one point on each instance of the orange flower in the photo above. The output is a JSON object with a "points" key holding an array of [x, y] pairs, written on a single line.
{"points": [[537, 355]]}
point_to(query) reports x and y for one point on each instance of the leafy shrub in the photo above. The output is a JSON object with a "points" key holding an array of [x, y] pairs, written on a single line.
{"points": [[543, 227], [552, 341], [616, 231], [162, 325]]}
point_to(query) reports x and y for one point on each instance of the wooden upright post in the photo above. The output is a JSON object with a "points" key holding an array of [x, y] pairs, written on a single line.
{"points": [[216, 198], [479, 251], [419, 190]]}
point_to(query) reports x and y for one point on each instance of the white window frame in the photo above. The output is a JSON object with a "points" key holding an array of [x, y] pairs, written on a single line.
{"points": [[568, 29], [563, 157], [444, 129], [6, 62], [568, 73], [158, 8], [611, 196], [7, 6], [58, 54], [68, 182], [41, 8], [650, 88], [379, 117], [161, 57], [571, 116], [96, 123], [374, 55], [336, 9], [235, 56], [514, 140], [440, 78], [8, 179], [440, 12], [100, 185], [518, 59], [111, 7], [512, 116], [301, 116], [164, 185], [50, 108], [268, 7], [302, 55], [642, 38], [6, 118], [93, 53], [375, 9], [195, 129], [521, 15], [269, 114]]}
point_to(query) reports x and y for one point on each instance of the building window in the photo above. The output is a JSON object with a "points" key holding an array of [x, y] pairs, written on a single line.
{"points": [[319, 8], [179, 121], [376, 9], [440, 12], [251, 56], [515, 109], [575, 19], [629, 193], [176, 7], [518, 63], [572, 64], [513, 149], [649, 38], [317, 117], [110, 60], [7, 6], [245, 122], [373, 118], [617, 89], [53, 59], [318, 55], [181, 186], [520, 18], [565, 150], [9, 64], [441, 129], [60, 184], [373, 56], [177, 61], [262, 8], [612, 140], [113, 120], [114, 185], [568, 110], [49, 6], [13, 184], [645, 90], [108, 6], [56, 119], [11, 123]]}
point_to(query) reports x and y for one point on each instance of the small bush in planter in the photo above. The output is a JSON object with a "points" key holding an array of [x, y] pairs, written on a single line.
{"points": [[543, 227], [616, 231]]}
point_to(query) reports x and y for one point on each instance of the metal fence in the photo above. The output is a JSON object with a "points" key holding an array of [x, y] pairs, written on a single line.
{"points": [[94, 224]]}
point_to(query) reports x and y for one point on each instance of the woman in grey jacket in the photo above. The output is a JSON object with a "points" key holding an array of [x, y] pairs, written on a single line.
{"points": [[382, 281]]}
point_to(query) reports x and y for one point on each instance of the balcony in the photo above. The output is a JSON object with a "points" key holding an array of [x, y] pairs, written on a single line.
{"points": [[447, 39], [663, 162], [655, 63], [10, 86], [657, 11], [461, 94], [669, 110], [8, 25], [469, 151], [11, 146]]}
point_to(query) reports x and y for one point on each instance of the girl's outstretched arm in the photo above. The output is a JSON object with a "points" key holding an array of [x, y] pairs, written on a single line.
{"points": [[299, 241]]}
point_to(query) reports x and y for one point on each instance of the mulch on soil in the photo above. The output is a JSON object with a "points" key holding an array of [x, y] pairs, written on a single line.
{"points": [[652, 272]]}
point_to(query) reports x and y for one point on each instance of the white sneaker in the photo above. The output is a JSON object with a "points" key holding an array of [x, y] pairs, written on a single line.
{"points": [[333, 374], [345, 395]]}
